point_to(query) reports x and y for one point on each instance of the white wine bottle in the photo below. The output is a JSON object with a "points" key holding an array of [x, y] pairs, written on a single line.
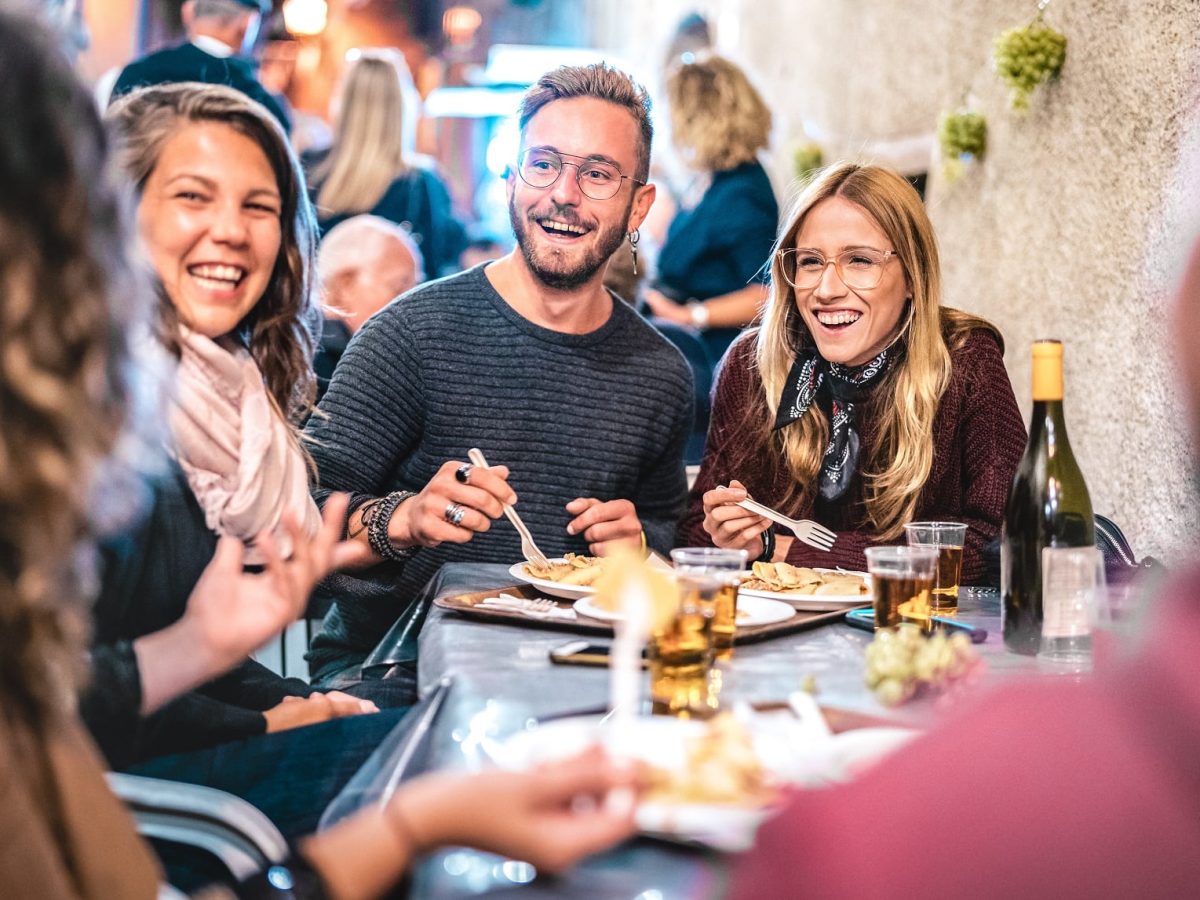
{"points": [[1048, 505]]}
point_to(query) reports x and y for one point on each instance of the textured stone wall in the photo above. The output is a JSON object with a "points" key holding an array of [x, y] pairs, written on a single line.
{"points": [[1074, 226]]}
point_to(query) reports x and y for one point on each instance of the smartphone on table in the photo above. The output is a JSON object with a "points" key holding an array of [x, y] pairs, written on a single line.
{"points": [[584, 653]]}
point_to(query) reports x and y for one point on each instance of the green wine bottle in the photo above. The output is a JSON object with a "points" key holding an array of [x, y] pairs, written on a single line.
{"points": [[1048, 505]]}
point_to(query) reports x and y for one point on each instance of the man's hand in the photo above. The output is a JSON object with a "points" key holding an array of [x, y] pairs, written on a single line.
{"points": [[606, 525], [730, 526], [664, 307], [296, 712], [427, 519]]}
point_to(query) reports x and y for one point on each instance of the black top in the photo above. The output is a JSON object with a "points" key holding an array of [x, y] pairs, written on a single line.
{"points": [[721, 244], [187, 62], [148, 575], [453, 366]]}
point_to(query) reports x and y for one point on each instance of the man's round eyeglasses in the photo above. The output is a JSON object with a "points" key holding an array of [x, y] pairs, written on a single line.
{"points": [[597, 179], [860, 269]]}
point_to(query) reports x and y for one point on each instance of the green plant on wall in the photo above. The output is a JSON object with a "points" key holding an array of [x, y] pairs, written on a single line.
{"points": [[1027, 56], [962, 138], [807, 158]]}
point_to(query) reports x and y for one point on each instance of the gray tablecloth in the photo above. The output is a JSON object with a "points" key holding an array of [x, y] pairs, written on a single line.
{"points": [[503, 677]]}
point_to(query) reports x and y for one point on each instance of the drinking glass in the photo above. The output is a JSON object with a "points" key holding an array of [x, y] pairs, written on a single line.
{"points": [[948, 539], [1072, 584], [681, 653], [722, 569], [901, 582]]}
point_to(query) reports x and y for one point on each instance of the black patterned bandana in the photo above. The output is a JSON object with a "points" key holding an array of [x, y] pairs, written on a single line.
{"points": [[838, 390]]}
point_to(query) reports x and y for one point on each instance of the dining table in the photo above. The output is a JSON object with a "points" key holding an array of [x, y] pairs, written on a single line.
{"points": [[502, 681]]}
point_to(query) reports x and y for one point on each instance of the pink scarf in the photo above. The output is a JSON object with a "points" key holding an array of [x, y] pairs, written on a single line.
{"points": [[240, 457]]}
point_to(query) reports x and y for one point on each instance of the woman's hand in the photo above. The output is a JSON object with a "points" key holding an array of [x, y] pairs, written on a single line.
{"points": [[551, 817], [428, 518], [606, 525], [662, 307], [729, 525], [296, 712]]}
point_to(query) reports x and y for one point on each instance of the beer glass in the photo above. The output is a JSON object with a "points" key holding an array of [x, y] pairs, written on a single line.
{"points": [[681, 653], [902, 581], [948, 539], [723, 570]]}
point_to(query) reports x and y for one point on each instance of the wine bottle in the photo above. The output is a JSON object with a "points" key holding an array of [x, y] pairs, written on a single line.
{"points": [[1048, 505]]}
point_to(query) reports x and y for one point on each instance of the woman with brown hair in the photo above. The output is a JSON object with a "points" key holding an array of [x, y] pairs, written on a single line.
{"points": [[711, 267], [371, 167], [861, 401]]}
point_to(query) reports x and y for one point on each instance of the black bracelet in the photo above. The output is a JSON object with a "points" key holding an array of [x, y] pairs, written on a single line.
{"points": [[768, 551], [376, 516], [292, 879]]}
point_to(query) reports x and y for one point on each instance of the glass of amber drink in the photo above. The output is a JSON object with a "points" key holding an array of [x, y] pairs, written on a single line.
{"points": [[948, 539], [681, 653], [902, 581], [722, 568]]}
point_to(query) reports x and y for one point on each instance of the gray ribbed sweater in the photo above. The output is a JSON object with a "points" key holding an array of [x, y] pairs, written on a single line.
{"points": [[452, 366]]}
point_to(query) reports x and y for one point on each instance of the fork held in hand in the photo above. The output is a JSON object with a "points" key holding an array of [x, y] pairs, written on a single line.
{"points": [[806, 530], [528, 548]]}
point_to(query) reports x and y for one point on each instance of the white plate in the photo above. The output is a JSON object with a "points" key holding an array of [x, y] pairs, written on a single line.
{"points": [[817, 602], [661, 742], [751, 611], [552, 588]]}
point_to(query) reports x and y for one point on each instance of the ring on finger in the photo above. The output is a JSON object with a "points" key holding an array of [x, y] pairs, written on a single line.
{"points": [[454, 514], [463, 473]]}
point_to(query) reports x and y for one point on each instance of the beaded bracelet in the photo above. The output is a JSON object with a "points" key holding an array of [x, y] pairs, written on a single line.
{"points": [[376, 516], [768, 551]]}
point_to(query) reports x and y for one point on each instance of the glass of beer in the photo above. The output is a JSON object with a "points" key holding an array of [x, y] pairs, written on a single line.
{"points": [[725, 568], [681, 653], [947, 538], [901, 583]]}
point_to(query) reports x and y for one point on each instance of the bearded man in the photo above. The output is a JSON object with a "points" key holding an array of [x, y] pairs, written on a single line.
{"points": [[580, 407]]}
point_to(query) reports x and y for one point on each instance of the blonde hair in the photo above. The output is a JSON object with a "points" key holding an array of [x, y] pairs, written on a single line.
{"points": [[369, 143], [718, 119], [895, 468]]}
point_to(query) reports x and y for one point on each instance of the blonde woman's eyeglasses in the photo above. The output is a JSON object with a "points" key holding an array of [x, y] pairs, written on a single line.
{"points": [[860, 269]]}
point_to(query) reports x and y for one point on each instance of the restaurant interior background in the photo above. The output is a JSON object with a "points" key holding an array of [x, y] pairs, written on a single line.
{"points": [[1073, 224]]}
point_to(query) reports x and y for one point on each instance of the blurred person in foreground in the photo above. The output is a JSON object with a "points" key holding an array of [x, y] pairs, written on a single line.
{"points": [[712, 266], [72, 307], [363, 264], [371, 166], [580, 407], [861, 401], [220, 35], [1053, 788]]}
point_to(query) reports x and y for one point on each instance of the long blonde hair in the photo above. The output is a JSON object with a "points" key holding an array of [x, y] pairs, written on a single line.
{"points": [[370, 140], [896, 467], [718, 119]]}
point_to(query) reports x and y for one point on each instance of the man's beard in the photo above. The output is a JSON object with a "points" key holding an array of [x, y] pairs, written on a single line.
{"points": [[550, 266]]}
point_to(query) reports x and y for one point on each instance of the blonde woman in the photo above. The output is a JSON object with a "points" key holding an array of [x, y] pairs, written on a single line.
{"points": [[711, 267], [371, 166], [860, 402]]}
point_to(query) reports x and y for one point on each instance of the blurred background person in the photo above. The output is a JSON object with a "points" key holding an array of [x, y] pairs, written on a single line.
{"points": [[371, 167], [712, 267], [221, 34], [363, 264]]}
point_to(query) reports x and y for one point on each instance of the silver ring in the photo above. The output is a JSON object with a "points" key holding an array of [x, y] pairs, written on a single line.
{"points": [[463, 473], [454, 513]]}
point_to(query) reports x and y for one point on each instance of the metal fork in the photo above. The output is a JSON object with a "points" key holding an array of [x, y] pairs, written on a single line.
{"points": [[528, 548], [806, 530], [536, 607]]}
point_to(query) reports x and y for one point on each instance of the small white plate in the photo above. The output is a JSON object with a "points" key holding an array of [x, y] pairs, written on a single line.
{"points": [[817, 602], [552, 588], [661, 742], [751, 611]]}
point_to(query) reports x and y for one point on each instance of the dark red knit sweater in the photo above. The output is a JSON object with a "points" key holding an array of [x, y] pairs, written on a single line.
{"points": [[978, 440]]}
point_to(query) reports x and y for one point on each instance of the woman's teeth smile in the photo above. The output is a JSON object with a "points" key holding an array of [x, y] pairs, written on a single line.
{"points": [[217, 277], [838, 319]]}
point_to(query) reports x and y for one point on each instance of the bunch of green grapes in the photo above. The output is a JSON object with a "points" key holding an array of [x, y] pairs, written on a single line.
{"points": [[961, 134], [1027, 56], [903, 661]]}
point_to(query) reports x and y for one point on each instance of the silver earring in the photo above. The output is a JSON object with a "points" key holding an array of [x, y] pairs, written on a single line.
{"points": [[634, 237]]}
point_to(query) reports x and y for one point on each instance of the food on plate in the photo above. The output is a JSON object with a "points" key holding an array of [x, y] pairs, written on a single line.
{"points": [[721, 766], [575, 570], [783, 578]]}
